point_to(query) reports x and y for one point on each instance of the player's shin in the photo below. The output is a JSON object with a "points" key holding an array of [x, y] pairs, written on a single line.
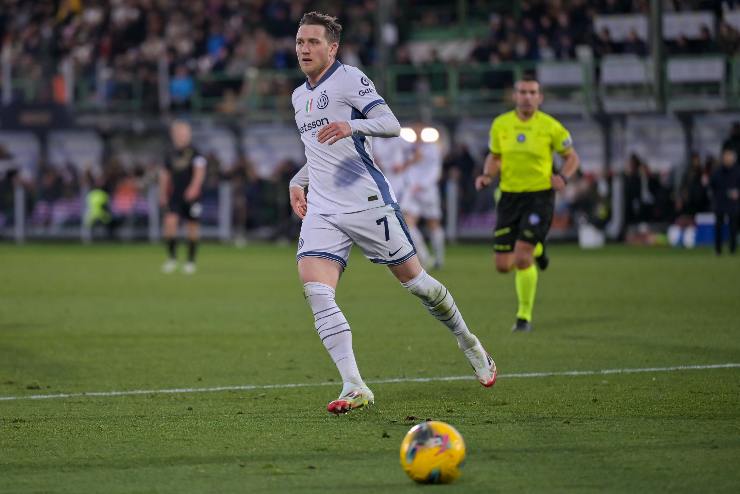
{"points": [[526, 289], [192, 250], [171, 248], [333, 329], [439, 302]]}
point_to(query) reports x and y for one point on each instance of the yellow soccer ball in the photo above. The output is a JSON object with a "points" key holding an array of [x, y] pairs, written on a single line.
{"points": [[433, 453]]}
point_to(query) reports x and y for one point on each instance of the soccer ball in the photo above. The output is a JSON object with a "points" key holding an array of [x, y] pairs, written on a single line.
{"points": [[433, 453]]}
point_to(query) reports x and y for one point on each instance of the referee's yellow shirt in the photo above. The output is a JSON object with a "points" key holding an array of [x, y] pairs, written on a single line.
{"points": [[526, 150]]}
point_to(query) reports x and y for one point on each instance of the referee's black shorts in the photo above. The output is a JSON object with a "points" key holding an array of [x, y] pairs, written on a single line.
{"points": [[186, 210], [523, 216]]}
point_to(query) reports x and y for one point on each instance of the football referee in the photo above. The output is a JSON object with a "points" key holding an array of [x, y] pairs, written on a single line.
{"points": [[521, 147]]}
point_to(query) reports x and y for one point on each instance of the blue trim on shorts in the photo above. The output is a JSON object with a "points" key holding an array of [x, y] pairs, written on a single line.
{"points": [[323, 255], [380, 181], [395, 262], [404, 226]]}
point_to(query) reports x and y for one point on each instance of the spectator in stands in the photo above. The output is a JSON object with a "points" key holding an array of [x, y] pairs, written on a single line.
{"points": [[725, 187], [728, 40], [245, 196], [634, 45], [603, 44], [693, 193], [733, 141], [182, 88], [705, 43], [459, 166], [640, 187], [8, 179]]}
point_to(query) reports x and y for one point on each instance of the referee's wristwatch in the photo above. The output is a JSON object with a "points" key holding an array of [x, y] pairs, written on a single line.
{"points": [[565, 179]]}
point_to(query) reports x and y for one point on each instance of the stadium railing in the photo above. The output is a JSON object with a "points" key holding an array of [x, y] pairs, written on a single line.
{"points": [[614, 84]]}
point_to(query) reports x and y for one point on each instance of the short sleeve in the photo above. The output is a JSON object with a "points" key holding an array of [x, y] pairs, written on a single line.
{"points": [[561, 140], [494, 144], [199, 161], [359, 91]]}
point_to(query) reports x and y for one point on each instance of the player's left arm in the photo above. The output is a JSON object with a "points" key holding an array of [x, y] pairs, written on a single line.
{"points": [[377, 119], [199, 176], [379, 122], [563, 145]]}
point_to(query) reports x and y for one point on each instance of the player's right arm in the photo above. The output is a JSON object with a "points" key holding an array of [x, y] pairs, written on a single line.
{"points": [[492, 165], [491, 169], [298, 192], [164, 185]]}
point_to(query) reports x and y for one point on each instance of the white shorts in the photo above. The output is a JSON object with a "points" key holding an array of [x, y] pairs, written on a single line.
{"points": [[381, 233], [423, 203]]}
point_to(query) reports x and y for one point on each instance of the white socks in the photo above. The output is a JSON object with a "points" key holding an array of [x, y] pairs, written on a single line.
{"points": [[440, 304], [333, 329]]}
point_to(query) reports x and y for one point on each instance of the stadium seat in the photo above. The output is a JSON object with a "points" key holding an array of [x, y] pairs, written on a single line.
{"points": [[590, 142], [268, 145], [659, 140], [710, 130], [696, 83], [81, 148], [566, 86], [217, 140], [24, 148], [627, 84]]}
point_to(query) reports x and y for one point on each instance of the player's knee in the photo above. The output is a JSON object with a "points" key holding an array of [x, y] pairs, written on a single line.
{"points": [[503, 264], [425, 287], [503, 268], [523, 261], [316, 292]]}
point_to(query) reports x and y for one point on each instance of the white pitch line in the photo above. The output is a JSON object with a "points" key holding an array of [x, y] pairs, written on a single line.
{"points": [[252, 387]]}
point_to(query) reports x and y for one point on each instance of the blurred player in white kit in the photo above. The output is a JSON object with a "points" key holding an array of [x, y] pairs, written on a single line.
{"points": [[420, 199]]}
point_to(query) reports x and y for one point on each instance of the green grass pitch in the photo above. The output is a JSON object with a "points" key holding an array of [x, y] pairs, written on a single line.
{"points": [[102, 318]]}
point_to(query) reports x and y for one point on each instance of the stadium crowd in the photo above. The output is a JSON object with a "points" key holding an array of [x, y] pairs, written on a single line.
{"points": [[123, 41]]}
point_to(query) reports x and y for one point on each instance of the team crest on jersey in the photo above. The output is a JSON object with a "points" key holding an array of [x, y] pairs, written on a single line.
{"points": [[521, 138], [323, 101]]}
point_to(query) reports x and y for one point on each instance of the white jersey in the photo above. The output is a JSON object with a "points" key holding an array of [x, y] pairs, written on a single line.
{"points": [[390, 154], [428, 170], [343, 177]]}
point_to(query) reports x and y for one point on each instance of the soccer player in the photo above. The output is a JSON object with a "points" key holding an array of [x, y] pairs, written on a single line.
{"points": [[180, 184], [390, 155], [337, 111], [421, 200], [521, 147]]}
